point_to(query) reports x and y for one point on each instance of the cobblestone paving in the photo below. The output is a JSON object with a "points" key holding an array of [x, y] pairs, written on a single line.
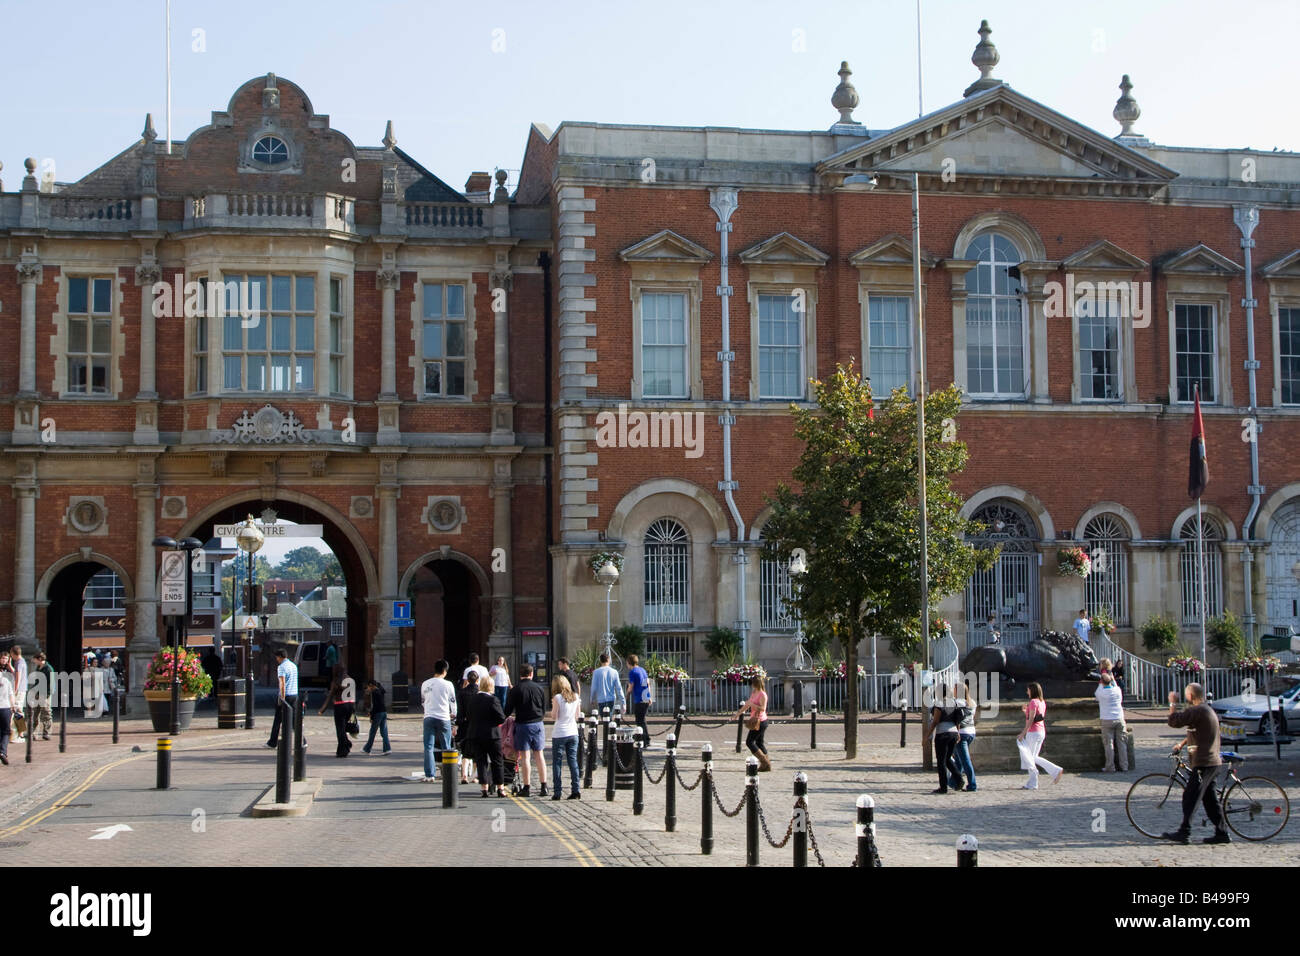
{"points": [[371, 810]]}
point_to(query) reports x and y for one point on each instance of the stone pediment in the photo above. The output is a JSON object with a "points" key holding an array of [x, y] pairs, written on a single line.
{"points": [[891, 250], [1000, 134], [268, 425], [666, 246], [1103, 256], [1199, 260], [1286, 267], [784, 249]]}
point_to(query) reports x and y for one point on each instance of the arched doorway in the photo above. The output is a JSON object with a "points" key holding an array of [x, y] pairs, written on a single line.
{"points": [[64, 616], [1009, 589], [1283, 591], [449, 611]]}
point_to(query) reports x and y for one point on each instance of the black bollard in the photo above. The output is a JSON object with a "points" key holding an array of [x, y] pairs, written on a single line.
{"points": [[611, 755], [968, 850], [606, 717], [164, 779], [681, 715], [63, 724], [299, 748], [31, 732], [117, 711], [866, 832], [740, 729], [591, 753], [248, 698], [706, 801], [638, 773], [451, 779], [582, 744], [284, 756], [813, 710], [902, 723], [800, 839], [751, 810], [670, 777]]}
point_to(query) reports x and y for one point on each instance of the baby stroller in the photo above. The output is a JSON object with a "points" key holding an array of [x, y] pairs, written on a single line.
{"points": [[510, 756]]}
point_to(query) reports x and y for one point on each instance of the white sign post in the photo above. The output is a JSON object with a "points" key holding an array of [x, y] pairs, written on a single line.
{"points": [[173, 582]]}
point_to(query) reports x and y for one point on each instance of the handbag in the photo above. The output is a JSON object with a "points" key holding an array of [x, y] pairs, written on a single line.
{"points": [[752, 722], [353, 727], [20, 724]]}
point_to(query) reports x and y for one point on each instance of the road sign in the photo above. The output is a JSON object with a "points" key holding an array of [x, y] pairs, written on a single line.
{"points": [[173, 582], [272, 530], [401, 615], [401, 622], [249, 623]]}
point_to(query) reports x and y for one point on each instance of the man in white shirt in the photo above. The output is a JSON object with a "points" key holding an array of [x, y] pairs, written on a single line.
{"points": [[1082, 626], [475, 668], [1110, 700], [20, 689], [439, 698], [286, 672]]}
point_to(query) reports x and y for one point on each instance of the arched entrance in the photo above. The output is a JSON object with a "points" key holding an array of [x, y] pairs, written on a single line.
{"points": [[1009, 589], [65, 614], [1283, 590], [450, 613]]}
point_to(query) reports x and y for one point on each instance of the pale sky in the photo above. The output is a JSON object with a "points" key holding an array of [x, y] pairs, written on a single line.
{"points": [[82, 74]]}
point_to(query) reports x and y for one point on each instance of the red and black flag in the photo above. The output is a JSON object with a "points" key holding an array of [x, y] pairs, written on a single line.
{"points": [[1198, 469]]}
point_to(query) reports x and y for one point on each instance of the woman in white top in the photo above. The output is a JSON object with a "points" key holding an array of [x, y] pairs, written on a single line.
{"points": [[343, 693], [7, 695], [500, 675], [94, 686], [564, 735]]}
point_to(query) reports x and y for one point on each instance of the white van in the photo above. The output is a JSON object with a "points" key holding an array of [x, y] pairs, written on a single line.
{"points": [[311, 663]]}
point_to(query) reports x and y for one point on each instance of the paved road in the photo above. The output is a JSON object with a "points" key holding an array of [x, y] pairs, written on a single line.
{"points": [[371, 810]]}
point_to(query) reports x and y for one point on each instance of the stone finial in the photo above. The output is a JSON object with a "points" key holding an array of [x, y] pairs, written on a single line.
{"points": [[501, 194], [1126, 110], [148, 134], [30, 165], [2, 183], [845, 98], [985, 58], [389, 139], [270, 94]]}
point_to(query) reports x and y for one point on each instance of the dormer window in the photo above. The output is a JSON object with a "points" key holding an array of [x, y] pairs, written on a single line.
{"points": [[270, 150]]}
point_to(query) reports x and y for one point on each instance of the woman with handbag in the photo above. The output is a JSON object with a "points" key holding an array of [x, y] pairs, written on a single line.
{"points": [[1030, 740], [343, 693], [966, 737], [7, 695], [565, 712], [485, 719], [946, 714], [757, 722]]}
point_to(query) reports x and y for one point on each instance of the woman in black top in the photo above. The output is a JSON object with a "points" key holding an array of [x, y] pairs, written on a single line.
{"points": [[485, 720], [465, 693], [947, 714]]}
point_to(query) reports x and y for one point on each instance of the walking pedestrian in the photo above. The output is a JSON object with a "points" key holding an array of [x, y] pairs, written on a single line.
{"points": [[19, 667], [527, 702], [1110, 704], [638, 693], [439, 699], [464, 699], [7, 694], [945, 715], [478, 670], [1202, 725], [286, 678], [565, 706], [94, 690], [39, 696], [1030, 740], [756, 723], [343, 694], [329, 661], [485, 720], [568, 673], [500, 675], [377, 704], [211, 665], [966, 736], [606, 687]]}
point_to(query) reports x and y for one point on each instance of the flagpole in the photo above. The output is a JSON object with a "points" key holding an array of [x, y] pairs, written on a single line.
{"points": [[169, 76], [1200, 570]]}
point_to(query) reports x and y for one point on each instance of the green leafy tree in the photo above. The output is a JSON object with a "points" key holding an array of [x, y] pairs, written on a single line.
{"points": [[857, 517]]}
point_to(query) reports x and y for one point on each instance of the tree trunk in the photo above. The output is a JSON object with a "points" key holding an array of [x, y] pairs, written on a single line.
{"points": [[851, 692]]}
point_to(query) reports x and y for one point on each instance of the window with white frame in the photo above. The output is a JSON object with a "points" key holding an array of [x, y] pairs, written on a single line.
{"points": [[90, 335], [1191, 579], [1194, 349], [445, 339], [775, 591], [336, 628], [1288, 340], [995, 326], [201, 339], [104, 592], [780, 347], [889, 333], [667, 595], [336, 336], [275, 349], [1106, 587], [663, 345], [1100, 378]]}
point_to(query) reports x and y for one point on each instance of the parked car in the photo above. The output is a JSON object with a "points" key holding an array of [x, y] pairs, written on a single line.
{"points": [[1239, 717]]}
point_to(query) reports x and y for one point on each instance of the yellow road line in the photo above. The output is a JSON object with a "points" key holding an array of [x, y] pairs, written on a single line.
{"points": [[567, 839]]}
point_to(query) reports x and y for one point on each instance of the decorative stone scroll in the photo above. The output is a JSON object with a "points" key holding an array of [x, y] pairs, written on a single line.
{"points": [[267, 426]]}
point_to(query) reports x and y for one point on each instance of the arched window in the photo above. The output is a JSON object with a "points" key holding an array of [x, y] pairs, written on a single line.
{"points": [[271, 150], [995, 325], [774, 613], [1008, 591], [1106, 589], [1213, 571], [667, 574]]}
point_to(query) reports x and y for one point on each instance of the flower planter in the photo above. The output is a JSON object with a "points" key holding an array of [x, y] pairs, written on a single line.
{"points": [[160, 710]]}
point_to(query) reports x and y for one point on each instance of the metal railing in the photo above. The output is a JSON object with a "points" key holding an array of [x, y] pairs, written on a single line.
{"points": [[1148, 681]]}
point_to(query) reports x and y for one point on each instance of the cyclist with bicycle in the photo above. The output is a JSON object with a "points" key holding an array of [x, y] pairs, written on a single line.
{"points": [[1203, 735]]}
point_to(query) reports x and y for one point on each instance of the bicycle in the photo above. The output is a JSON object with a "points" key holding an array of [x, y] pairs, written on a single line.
{"points": [[1255, 808]]}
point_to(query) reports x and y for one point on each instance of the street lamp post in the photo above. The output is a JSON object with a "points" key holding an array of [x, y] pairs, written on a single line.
{"points": [[250, 540], [189, 546], [798, 659], [607, 574]]}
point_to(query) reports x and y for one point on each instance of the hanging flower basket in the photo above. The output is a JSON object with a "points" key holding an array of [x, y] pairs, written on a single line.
{"points": [[1101, 623], [938, 627], [601, 558], [1257, 663], [1073, 563], [1185, 664]]}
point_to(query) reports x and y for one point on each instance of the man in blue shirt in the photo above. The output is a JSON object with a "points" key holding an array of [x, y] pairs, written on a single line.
{"points": [[638, 692], [287, 673], [605, 687]]}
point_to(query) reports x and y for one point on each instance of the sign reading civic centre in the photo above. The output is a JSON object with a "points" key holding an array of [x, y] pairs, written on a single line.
{"points": [[271, 530]]}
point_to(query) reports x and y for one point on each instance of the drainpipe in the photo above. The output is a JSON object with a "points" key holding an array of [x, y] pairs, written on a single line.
{"points": [[723, 200], [1246, 219]]}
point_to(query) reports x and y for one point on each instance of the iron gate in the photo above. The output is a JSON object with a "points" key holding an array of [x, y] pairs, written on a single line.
{"points": [[1008, 590]]}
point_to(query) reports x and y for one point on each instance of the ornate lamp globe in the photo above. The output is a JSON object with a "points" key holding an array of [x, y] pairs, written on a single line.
{"points": [[607, 574], [250, 537], [798, 565]]}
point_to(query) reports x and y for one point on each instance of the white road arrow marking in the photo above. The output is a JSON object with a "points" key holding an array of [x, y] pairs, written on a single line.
{"points": [[107, 833]]}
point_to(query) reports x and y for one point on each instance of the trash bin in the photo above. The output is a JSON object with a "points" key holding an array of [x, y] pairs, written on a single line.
{"points": [[626, 748], [401, 693], [230, 703]]}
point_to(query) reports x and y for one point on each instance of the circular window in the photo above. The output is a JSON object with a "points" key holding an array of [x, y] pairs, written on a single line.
{"points": [[270, 150]]}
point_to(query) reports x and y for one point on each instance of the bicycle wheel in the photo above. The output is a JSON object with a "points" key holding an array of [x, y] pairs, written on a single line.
{"points": [[1256, 808], [1154, 804]]}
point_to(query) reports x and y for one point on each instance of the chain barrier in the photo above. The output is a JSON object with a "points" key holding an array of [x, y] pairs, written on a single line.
{"points": [[718, 800], [646, 770], [618, 762], [685, 786], [812, 840], [762, 819], [710, 726]]}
